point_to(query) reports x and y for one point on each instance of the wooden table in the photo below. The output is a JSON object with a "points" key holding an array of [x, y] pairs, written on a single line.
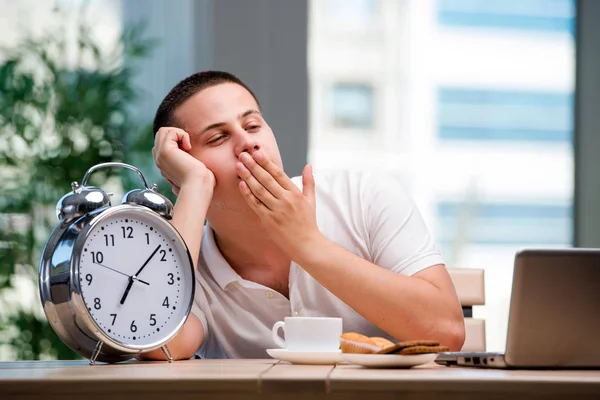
{"points": [[267, 379]]}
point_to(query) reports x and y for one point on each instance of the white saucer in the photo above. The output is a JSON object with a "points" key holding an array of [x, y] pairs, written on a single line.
{"points": [[307, 357], [388, 360]]}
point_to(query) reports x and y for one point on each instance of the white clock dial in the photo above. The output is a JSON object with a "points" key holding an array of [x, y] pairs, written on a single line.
{"points": [[135, 278]]}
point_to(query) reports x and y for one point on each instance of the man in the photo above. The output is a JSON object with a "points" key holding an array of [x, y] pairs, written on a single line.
{"points": [[343, 245]]}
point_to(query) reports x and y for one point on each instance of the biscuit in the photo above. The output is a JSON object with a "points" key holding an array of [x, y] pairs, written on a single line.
{"points": [[422, 350], [382, 343], [352, 342], [409, 343]]}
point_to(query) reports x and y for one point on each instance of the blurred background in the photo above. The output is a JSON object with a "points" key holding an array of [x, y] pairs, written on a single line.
{"points": [[469, 103]]}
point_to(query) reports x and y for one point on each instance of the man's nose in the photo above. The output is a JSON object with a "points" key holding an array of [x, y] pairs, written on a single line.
{"points": [[247, 144]]}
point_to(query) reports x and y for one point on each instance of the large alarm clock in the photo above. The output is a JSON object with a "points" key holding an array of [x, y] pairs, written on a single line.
{"points": [[115, 281]]}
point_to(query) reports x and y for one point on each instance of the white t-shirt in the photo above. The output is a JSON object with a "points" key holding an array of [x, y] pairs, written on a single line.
{"points": [[369, 214]]}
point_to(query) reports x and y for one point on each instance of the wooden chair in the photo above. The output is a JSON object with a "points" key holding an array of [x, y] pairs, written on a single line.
{"points": [[469, 284]]}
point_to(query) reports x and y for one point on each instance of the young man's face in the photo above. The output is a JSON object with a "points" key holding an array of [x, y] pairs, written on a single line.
{"points": [[223, 121]]}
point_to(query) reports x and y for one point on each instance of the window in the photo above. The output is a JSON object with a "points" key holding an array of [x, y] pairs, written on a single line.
{"points": [[470, 103], [350, 11], [470, 114], [504, 224], [352, 105], [532, 15]]}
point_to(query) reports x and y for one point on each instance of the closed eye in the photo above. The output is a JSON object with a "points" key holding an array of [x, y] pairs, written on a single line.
{"points": [[252, 127], [216, 139]]}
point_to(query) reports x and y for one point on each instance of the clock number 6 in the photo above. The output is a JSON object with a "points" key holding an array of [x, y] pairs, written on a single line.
{"points": [[133, 327]]}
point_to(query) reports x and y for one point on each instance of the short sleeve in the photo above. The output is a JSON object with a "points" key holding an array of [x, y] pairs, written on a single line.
{"points": [[397, 235]]}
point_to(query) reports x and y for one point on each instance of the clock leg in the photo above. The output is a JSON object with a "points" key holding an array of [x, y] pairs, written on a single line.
{"points": [[96, 352], [165, 350]]}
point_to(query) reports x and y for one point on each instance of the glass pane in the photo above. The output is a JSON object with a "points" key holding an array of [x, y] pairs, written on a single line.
{"points": [[352, 105], [349, 11], [472, 109]]}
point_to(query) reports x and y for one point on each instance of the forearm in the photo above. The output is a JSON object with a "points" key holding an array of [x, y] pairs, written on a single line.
{"points": [[183, 345], [190, 212], [402, 306], [188, 218]]}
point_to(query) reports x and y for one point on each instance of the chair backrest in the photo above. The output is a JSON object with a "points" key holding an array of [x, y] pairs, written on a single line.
{"points": [[470, 288]]}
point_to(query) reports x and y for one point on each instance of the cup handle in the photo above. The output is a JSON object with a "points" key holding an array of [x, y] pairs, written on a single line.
{"points": [[278, 341]]}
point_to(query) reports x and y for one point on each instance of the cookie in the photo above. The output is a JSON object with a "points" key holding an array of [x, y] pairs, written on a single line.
{"points": [[422, 350], [382, 343], [409, 343], [352, 342]]}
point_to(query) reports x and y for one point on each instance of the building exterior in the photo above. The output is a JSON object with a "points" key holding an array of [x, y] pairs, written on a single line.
{"points": [[470, 104]]}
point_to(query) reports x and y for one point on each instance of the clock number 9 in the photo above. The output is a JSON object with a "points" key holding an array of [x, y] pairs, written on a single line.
{"points": [[89, 279]]}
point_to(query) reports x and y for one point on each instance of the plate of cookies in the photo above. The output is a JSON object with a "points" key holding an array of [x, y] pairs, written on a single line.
{"points": [[378, 352]]}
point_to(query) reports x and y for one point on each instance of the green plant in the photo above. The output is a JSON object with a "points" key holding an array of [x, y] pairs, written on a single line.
{"points": [[65, 105]]}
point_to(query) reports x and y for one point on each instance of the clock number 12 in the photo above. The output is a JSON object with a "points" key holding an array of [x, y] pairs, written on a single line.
{"points": [[127, 232]]}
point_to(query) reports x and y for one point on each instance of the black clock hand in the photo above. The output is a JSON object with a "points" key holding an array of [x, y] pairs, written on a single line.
{"points": [[146, 263], [127, 290], [140, 281], [122, 273], [134, 277]]}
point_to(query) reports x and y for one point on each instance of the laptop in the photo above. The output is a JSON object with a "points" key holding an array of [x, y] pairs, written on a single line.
{"points": [[554, 317]]}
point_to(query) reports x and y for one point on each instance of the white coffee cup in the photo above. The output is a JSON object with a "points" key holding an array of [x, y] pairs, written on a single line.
{"points": [[309, 333]]}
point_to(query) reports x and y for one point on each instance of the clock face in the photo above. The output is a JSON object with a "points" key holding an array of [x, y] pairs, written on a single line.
{"points": [[135, 277]]}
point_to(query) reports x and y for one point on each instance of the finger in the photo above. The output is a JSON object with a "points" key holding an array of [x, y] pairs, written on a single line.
{"points": [[188, 142], [185, 142], [262, 175], [176, 136], [308, 184], [253, 202], [257, 189], [275, 171]]}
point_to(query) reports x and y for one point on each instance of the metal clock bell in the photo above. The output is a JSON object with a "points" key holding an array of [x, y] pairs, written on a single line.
{"points": [[115, 281]]}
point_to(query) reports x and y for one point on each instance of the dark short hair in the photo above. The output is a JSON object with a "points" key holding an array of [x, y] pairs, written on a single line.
{"points": [[165, 114]]}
